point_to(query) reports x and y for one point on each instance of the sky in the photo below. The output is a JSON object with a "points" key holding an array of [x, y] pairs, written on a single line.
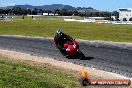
{"points": [[105, 5]]}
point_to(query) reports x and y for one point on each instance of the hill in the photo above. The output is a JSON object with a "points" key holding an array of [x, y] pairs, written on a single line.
{"points": [[47, 7]]}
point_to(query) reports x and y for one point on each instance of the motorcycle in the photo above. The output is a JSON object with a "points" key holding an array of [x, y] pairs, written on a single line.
{"points": [[67, 46]]}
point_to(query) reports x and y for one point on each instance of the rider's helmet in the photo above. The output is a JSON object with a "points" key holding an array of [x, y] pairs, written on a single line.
{"points": [[59, 33]]}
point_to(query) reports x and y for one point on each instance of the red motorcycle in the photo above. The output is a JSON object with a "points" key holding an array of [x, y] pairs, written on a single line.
{"points": [[67, 45]]}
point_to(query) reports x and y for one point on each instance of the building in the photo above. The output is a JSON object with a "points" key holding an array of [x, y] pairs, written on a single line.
{"points": [[50, 14], [125, 13]]}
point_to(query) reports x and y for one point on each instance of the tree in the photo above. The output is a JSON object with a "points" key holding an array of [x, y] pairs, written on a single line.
{"points": [[130, 19], [29, 11], [75, 13], [111, 19], [115, 13], [124, 19], [117, 19]]}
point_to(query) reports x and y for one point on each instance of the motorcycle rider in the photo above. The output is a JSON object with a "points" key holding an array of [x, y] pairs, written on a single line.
{"points": [[60, 39]]}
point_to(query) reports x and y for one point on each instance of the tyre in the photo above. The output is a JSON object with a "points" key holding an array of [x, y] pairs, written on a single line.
{"points": [[63, 51], [81, 55]]}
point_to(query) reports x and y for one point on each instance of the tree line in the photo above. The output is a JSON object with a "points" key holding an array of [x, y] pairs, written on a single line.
{"points": [[60, 12]]}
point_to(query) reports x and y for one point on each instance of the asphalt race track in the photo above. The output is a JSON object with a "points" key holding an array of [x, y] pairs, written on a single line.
{"points": [[112, 59]]}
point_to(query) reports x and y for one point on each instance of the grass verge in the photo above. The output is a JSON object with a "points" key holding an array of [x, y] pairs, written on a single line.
{"points": [[46, 27], [20, 75]]}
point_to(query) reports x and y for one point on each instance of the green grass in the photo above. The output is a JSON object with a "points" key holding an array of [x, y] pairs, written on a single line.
{"points": [[18, 75], [46, 27]]}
